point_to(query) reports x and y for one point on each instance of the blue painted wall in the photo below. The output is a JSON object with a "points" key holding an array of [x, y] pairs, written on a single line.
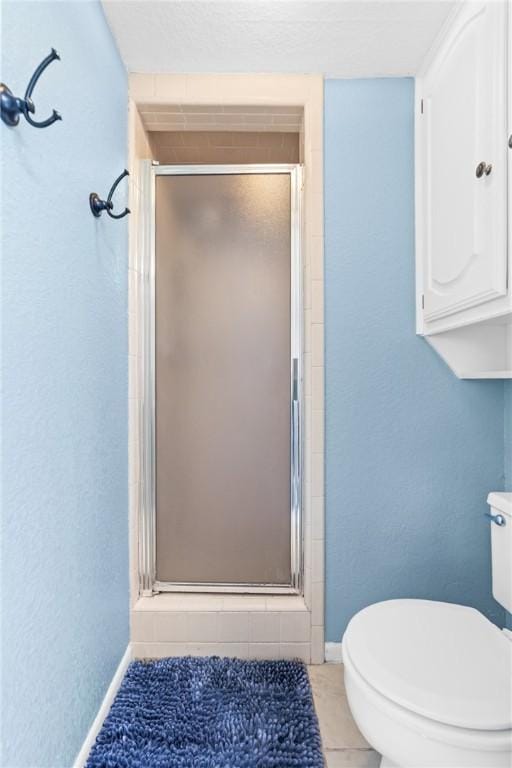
{"points": [[508, 435], [411, 451], [508, 455], [64, 303]]}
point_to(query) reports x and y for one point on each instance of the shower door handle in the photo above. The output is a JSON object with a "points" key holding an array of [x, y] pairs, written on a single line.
{"points": [[295, 446], [295, 437], [296, 495]]}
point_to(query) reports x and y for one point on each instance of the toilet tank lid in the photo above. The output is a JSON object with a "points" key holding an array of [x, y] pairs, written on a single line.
{"points": [[443, 661], [501, 502]]}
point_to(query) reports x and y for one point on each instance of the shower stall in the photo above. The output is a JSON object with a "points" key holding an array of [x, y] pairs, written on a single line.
{"points": [[221, 506]]}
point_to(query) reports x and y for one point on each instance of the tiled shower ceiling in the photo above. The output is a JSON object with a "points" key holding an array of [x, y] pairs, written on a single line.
{"points": [[180, 117]]}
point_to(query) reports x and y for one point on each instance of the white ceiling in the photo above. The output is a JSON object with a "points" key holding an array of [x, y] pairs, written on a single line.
{"points": [[337, 38]]}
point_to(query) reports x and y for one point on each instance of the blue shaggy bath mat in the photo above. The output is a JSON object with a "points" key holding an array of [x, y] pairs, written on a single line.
{"points": [[211, 713]]}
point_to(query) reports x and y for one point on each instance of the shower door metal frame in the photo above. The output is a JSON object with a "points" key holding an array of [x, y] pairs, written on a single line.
{"points": [[149, 585]]}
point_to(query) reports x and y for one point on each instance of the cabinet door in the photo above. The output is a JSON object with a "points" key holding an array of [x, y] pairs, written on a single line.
{"points": [[463, 122]]}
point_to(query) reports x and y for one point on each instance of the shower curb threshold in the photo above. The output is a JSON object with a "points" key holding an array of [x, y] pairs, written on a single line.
{"points": [[180, 602]]}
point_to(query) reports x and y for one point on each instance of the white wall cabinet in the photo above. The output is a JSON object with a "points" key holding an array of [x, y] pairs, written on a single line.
{"points": [[463, 170]]}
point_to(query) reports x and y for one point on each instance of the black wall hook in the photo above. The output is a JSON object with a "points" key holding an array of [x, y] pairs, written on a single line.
{"points": [[12, 106], [98, 205]]}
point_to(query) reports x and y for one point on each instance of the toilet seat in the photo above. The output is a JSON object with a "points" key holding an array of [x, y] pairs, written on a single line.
{"points": [[444, 662], [394, 715]]}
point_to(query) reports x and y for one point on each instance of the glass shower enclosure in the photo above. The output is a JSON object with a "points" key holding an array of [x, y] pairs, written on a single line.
{"points": [[221, 506]]}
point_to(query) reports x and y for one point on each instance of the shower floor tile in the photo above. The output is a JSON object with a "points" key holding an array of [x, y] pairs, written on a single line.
{"points": [[344, 746]]}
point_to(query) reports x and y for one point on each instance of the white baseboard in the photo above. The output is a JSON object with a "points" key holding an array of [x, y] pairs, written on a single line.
{"points": [[104, 709], [333, 653]]}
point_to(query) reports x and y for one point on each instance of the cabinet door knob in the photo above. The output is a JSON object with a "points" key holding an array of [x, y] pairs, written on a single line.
{"points": [[510, 141], [483, 168]]}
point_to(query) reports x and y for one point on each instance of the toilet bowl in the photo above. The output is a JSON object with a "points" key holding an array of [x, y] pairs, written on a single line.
{"points": [[430, 683]]}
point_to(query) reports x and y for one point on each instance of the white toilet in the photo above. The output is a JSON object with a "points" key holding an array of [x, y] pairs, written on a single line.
{"points": [[430, 684]]}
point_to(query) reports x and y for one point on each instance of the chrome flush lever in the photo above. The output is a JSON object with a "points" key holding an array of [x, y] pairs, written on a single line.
{"points": [[498, 519]]}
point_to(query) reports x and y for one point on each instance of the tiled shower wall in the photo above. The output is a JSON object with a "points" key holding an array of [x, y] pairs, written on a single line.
{"points": [[206, 147], [268, 626]]}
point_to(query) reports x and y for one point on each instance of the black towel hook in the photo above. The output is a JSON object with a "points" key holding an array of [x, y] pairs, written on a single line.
{"points": [[98, 205], [12, 106]]}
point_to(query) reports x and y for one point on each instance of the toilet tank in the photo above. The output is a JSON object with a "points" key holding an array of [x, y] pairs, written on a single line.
{"points": [[501, 547]]}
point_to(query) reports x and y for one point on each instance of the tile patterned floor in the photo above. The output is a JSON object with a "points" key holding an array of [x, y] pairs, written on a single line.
{"points": [[344, 746]]}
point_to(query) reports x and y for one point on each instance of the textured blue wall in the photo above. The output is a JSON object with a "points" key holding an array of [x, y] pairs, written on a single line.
{"points": [[411, 451], [508, 455], [64, 303], [508, 435]]}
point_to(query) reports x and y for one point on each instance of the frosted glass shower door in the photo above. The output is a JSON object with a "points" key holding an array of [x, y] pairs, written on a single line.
{"points": [[226, 424]]}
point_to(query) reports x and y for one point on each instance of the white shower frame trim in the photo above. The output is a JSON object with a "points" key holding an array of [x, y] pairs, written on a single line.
{"points": [[149, 584], [248, 626]]}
